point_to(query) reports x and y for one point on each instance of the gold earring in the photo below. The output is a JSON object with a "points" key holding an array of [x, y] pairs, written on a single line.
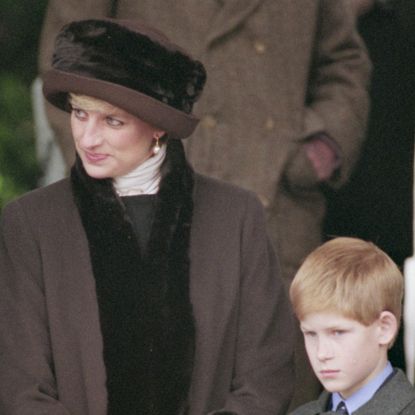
{"points": [[157, 146]]}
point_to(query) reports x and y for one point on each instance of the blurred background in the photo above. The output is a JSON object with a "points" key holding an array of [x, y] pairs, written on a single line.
{"points": [[20, 24]]}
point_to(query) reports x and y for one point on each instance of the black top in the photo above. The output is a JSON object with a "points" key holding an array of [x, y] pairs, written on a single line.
{"points": [[140, 210]]}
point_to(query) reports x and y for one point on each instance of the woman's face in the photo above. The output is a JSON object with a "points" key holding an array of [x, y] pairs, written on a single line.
{"points": [[110, 141]]}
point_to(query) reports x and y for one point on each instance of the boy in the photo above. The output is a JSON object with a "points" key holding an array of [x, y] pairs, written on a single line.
{"points": [[347, 296]]}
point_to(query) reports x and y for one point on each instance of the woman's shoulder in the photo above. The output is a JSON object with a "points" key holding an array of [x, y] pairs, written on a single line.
{"points": [[209, 187], [57, 189], [229, 199], [43, 200]]}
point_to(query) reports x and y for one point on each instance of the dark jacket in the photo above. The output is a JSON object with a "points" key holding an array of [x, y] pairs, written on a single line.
{"points": [[395, 397], [50, 337]]}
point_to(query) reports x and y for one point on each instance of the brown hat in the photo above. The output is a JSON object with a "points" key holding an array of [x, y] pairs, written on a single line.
{"points": [[129, 65]]}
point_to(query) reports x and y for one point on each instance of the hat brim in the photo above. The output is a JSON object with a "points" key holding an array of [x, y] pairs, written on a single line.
{"points": [[57, 84]]}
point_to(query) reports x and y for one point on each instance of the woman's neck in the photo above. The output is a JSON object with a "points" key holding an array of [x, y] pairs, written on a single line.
{"points": [[144, 179]]}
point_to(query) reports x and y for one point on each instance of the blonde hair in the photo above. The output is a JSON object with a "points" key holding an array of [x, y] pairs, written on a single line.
{"points": [[351, 277], [89, 103]]}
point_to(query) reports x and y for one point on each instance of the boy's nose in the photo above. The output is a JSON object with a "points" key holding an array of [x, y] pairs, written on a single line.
{"points": [[324, 349]]}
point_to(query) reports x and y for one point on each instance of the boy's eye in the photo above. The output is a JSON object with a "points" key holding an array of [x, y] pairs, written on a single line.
{"points": [[338, 332], [309, 333], [113, 122]]}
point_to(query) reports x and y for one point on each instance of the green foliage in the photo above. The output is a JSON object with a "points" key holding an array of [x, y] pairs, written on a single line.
{"points": [[20, 25], [18, 167]]}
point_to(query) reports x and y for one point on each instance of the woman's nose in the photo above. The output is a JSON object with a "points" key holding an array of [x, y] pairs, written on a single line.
{"points": [[91, 135]]}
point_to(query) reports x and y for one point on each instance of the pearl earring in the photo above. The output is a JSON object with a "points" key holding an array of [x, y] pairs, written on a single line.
{"points": [[157, 146]]}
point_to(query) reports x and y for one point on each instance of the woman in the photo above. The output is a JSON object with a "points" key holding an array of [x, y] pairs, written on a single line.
{"points": [[137, 286]]}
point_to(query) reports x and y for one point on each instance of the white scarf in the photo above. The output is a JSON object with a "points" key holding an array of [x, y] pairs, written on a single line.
{"points": [[144, 179]]}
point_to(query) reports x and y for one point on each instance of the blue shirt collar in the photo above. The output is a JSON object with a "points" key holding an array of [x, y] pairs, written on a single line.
{"points": [[364, 394]]}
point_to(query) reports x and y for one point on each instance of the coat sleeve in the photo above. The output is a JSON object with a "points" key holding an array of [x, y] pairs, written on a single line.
{"points": [[27, 382], [338, 100], [263, 368]]}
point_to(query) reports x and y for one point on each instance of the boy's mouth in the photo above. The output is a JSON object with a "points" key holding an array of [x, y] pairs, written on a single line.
{"points": [[328, 373]]}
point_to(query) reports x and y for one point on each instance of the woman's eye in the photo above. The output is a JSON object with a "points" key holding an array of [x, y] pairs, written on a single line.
{"points": [[80, 114], [113, 122]]}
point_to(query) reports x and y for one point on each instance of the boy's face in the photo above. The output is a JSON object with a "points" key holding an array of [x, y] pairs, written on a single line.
{"points": [[344, 353]]}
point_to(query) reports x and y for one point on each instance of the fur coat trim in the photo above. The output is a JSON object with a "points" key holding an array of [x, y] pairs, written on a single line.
{"points": [[144, 302]]}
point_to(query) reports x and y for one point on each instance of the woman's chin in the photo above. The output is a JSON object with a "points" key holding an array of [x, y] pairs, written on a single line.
{"points": [[97, 172]]}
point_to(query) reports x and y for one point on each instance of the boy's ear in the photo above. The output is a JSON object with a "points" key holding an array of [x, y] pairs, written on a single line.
{"points": [[388, 326]]}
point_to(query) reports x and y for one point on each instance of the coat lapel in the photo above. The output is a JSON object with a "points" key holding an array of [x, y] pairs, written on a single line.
{"points": [[233, 13]]}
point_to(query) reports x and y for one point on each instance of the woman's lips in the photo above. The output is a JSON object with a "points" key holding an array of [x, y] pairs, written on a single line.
{"points": [[95, 157]]}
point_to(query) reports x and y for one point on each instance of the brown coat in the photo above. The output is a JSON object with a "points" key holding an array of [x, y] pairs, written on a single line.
{"points": [[278, 72], [50, 340]]}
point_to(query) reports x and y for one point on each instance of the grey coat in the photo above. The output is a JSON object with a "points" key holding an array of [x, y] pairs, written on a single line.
{"points": [[50, 341], [395, 397]]}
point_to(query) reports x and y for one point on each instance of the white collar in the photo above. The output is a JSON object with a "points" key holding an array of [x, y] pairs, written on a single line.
{"points": [[144, 179]]}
